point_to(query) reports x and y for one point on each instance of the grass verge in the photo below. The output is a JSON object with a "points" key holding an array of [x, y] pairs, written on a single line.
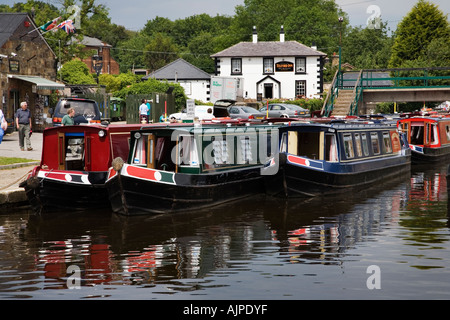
{"points": [[11, 160]]}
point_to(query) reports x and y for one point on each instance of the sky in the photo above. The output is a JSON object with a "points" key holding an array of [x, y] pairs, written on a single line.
{"points": [[134, 14]]}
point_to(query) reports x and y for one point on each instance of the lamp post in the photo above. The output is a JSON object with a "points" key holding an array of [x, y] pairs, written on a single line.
{"points": [[341, 19], [97, 64]]}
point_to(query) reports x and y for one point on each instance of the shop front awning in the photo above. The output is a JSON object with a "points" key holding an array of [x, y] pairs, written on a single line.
{"points": [[41, 83]]}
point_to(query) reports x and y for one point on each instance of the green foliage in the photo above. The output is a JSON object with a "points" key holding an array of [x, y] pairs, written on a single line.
{"points": [[416, 32], [115, 83], [76, 72], [152, 86]]}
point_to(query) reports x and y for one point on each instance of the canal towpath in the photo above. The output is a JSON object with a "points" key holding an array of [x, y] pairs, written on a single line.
{"points": [[11, 175]]}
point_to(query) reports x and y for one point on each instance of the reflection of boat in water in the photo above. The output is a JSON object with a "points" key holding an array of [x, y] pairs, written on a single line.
{"points": [[179, 168], [158, 249], [320, 159], [428, 137], [74, 166]]}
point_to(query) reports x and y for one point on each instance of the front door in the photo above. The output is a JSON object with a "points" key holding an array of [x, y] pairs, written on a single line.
{"points": [[268, 90]]}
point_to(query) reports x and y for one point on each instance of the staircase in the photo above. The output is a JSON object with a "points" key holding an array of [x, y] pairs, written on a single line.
{"points": [[341, 106]]}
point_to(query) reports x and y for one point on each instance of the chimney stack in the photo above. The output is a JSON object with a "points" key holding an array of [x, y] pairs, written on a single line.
{"points": [[282, 34], [313, 46], [255, 35]]}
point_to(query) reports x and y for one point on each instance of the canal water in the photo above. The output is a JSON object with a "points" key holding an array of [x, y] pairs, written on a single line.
{"points": [[388, 242]]}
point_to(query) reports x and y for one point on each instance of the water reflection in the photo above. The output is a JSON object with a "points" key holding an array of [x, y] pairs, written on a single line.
{"points": [[257, 237]]}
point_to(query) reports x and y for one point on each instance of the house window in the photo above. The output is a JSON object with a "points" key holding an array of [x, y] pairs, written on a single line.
{"points": [[300, 65], [300, 88], [268, 65], [236, 66]]}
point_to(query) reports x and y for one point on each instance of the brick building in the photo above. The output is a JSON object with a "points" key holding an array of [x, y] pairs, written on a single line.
{"points": [[27, 68], [103, 51]]}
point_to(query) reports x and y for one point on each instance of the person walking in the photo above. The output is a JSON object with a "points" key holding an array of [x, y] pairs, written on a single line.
{"points": [[23, 124], [3, 125], [67, 120]]}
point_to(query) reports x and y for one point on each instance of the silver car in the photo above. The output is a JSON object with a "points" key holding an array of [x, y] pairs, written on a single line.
{"points": [[245, 112], [285, 110]]}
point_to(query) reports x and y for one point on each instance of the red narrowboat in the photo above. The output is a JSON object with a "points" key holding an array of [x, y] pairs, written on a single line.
{"points": [[74, 165], [428, 138]]}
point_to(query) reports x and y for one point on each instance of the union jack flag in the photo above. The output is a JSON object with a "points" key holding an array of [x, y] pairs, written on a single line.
{"points": [[67, 26]]}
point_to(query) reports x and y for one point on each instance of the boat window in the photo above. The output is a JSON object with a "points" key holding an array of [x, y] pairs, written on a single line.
{"points": [[365, 145], [387, 142], [187, 151], [244, 151], [447, 131], [308, 144], [358, 145], [139, 154], [433, 134], [331, 154], [74, 152], [416, 135], [348, 146], [375, 143], [220, 151], [283, 142]]}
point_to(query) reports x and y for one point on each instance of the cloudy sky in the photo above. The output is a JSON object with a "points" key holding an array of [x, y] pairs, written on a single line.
{"points": [[133, 14]]}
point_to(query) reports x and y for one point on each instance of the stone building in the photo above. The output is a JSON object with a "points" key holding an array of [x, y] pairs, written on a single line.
{"points": [[27, 68]]}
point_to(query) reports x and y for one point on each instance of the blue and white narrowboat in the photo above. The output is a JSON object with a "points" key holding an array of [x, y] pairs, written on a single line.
{"points": [[317, 159]]}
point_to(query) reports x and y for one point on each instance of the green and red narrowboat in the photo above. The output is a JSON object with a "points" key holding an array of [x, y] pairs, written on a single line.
{"points": [[74, 166], [428, 138], [174, 169]]}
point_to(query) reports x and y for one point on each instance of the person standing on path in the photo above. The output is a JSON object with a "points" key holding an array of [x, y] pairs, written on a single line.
{"points": [[23, 124], [143, 112], [67, 120]]}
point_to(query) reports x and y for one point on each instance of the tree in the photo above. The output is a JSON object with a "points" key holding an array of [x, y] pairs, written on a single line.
{"points": [[424, 23], [160, 51], [76, 72], [367, 48]]}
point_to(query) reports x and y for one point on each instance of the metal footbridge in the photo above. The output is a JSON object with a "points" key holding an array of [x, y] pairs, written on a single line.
{"points": [[353, 93]]}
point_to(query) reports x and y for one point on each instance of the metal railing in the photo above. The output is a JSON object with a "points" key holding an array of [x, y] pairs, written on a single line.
{"points": [[404, 78]]}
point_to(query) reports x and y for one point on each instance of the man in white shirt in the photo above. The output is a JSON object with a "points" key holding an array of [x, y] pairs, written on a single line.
{"points": [[143, 112]]}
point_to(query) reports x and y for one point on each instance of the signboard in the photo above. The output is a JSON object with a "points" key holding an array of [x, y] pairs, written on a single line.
{"points": [[190, 108], [14, 66], [284, 66]]}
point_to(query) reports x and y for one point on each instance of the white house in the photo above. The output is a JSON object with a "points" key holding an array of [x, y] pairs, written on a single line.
{"points": [[273, 69], [196, 82]]}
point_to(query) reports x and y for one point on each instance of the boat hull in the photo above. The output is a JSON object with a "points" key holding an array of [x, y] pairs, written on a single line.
{"points": [[130, 195], [84, 191], [421, 155], [294, 180]]}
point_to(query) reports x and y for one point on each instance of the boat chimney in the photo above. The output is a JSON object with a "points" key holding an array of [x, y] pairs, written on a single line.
{"points": [[282, 34], [255, 35]]}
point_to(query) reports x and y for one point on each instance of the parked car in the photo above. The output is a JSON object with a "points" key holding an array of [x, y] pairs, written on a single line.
{"points": [[11, 126], [244, 112], [200, 111], [86, 111], [285, 110]]}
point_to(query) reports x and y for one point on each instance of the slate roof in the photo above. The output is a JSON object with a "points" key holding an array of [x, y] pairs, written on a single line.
{"points": [[179, 69], [268, 49], [94, 42], [9, 22]]}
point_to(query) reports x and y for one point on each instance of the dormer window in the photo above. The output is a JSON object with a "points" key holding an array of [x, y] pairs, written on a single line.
{"points": [[236, 66]]}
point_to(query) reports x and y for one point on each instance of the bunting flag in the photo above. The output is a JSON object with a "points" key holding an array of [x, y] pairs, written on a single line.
{"points": [[67, 26], [50, 25]]}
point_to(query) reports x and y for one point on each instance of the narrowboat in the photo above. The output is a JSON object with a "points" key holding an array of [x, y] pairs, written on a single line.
{"points": [[174, 169], [74, 166], [318, 159], [428, 138]]}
